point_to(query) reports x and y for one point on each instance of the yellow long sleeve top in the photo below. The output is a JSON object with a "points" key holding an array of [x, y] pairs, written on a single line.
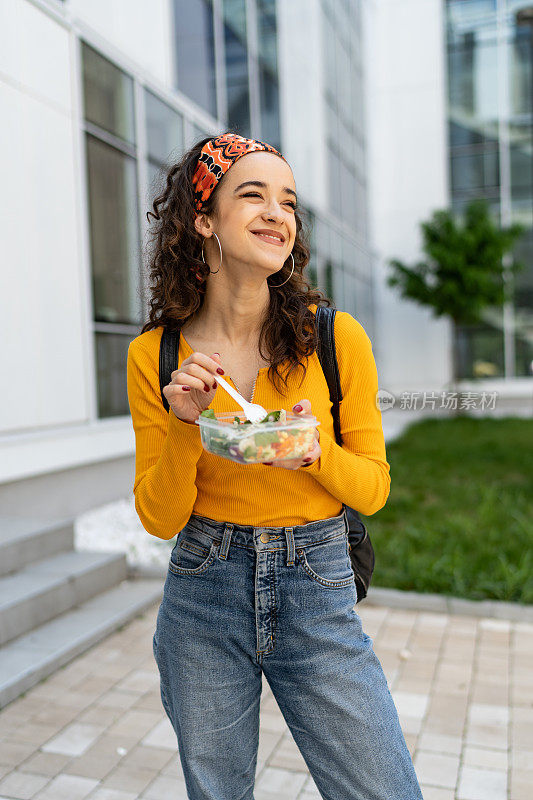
{"points": [[175, 476]]}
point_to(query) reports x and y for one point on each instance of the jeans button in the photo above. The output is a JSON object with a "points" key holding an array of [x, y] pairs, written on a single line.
{"points": [[265, 538]]}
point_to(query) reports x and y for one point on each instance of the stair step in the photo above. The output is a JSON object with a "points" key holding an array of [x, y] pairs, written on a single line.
{"points": [[46, 588], [25, 540], [32, 657]]}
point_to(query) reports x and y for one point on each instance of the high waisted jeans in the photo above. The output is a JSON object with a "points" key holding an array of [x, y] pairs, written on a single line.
{"points": [[241, 600]]}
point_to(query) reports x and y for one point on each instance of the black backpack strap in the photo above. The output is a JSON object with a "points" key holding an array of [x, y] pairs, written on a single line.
{"points": [[168, 360], [327, 354]]}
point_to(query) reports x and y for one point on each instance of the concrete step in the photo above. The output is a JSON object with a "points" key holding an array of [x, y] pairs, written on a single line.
{"points": [[46, 588], [30, 658], [24, 541]]}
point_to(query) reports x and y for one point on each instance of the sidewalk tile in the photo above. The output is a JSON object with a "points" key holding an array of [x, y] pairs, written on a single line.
{"points": [[436, 770], [22, 785], [67, 787], [73, 740], [482, 784]]}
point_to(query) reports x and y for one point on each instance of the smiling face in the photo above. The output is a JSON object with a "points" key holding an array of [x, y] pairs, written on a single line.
{"points": [[243, 210]]}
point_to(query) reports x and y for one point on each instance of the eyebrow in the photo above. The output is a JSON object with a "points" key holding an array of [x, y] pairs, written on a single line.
{"points": [[263, 185]]}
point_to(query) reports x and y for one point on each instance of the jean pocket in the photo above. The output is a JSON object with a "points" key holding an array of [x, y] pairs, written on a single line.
{"points": [[193, 552], [328, 563]]}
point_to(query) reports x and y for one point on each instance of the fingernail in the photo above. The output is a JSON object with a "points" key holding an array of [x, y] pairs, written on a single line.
{"points": [[297, 408], [307, 459], [186, 388], [268, 463], [215, 385], [206, 388], [216, 354], [220, 370]]}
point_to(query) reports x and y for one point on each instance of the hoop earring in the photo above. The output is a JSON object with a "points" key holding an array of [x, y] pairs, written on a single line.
{"points": [[276, 285], [213, 272], [219, 247]]}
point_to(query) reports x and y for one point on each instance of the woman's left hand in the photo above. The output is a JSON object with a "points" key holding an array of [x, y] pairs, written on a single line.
{"points": [[303, 407]]}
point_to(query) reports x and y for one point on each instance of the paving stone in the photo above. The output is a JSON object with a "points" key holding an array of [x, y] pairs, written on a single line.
{"points": [[482, 784], [74, 740], [165, 787], [435, 793], [22, 785], [279, 783], [128, 780], [50, 764], [440, 743], [162, 735], [67, 787], [410, 704], [436, 769], [485, 714], [485, 757]]}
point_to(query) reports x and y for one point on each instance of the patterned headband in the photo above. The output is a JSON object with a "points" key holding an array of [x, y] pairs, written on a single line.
{"points": [[216, 157]]}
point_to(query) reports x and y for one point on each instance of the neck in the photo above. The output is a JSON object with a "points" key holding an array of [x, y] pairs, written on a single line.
{"points": [[233, 317]]}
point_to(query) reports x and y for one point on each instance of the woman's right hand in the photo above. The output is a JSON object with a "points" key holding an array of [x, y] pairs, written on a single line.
{"points": [[192, 386]]}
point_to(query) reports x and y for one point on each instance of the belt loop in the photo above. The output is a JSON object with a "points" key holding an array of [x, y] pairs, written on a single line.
{"points": [[290, 547], [226, 539]]}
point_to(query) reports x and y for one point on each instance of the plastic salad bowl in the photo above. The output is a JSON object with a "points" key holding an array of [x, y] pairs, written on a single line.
{"points": [[280, 436]]}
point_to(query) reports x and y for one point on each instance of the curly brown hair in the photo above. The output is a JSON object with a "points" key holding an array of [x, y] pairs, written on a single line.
{"points": [[178, 274]]}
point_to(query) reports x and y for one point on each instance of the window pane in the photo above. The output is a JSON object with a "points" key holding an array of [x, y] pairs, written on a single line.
{"points": [[478, 170], [522, 173], [164, 129], [480, 351], [111, 358], [108, 95], [523, 306], [267, 35], [269, 101], [520, 70], [236, 54], [195, 52], [114, 223]]}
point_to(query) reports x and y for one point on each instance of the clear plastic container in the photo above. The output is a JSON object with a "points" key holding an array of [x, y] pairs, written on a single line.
{"points": [[291, 436]]}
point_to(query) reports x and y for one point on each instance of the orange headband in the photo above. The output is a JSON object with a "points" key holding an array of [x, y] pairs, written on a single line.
{"points": [[216, 157]]}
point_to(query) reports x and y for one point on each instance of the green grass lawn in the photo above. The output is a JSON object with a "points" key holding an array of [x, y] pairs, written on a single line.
{"points": [[459, 517]]}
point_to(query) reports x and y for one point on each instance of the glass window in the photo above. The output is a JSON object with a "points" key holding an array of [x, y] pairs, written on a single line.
{"points": [[236, 55], [195, 52], [114, 228], [267, 34], [480, 351], [111, 360], [108, 95], [520, 69], [269, 104], [164, 129], [475, 170], [523, 307]]}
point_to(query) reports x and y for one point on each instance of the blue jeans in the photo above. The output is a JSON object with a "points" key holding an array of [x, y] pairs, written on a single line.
{"points": [[241, 600]]}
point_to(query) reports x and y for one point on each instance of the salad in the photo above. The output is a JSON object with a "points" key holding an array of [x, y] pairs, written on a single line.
{"points": [[278, 436]]}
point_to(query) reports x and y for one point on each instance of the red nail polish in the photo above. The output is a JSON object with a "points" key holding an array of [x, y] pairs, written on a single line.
{"points": [[186, 388], [206, 388], [220, 370], [214, 386], [308, 459], [297, 408], [268, 463]]}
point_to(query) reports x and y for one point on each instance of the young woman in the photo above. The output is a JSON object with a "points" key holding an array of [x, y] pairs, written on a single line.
{"points": [[259, 580]]}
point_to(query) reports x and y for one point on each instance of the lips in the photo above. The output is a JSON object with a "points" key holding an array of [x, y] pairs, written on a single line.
{"points": [[268, 239]]}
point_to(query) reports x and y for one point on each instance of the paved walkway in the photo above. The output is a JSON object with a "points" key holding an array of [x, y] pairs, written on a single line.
{"points": [[463, 687]]}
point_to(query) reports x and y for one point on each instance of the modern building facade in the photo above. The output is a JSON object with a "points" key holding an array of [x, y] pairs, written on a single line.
{"points": [[97, 103]]}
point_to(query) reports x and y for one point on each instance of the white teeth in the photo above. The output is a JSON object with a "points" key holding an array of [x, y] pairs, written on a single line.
{"points": [[276, 238]]}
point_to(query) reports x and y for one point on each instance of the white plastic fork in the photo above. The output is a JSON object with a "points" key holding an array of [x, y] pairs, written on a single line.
{"points": [[252, 411]]}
